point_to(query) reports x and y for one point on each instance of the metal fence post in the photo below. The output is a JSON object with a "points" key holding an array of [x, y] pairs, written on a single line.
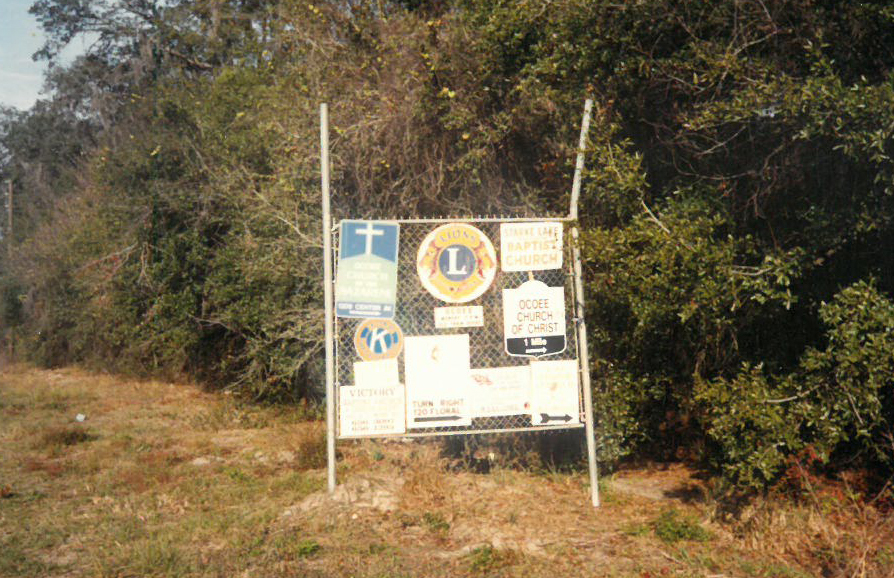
{"points": [[579, 165], [327, 296], [584, 366], [579, 311]]}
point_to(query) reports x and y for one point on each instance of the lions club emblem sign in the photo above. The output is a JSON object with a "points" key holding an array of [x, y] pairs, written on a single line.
{"points": [[456, 263]]}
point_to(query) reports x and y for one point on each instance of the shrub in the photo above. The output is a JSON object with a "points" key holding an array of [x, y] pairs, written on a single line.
{"points": [[671, 526], [307, 548], [839, 401]]}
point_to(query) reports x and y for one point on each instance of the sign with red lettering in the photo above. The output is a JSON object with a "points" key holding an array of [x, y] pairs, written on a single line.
{"points": [[501, 391], [534, 319], [374, 404], [530, 246], [462, 316]]}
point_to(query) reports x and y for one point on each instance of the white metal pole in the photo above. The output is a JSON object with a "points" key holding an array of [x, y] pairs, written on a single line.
{"points": [[585, 366], [579, 165], [327, 296], [579, 311]]}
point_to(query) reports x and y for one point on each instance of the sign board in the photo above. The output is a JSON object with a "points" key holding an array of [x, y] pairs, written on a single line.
{"points": [[530, 246], [456, 263], [460, 375], [498, 391], [534, 319], [374, 405], [366, 280], [463, 316], [378, 339], [436, 368], [555, 395]]}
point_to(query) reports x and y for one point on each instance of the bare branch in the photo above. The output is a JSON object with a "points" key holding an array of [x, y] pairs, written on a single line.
{"points": [[663, 227]]}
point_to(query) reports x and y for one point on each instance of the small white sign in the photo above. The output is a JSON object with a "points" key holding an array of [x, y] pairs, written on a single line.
{"points": [[534, 319], [530, 246], [501, 391], [376, 373], [437, 374], [451, 317], [555, 395], [374, 405]]}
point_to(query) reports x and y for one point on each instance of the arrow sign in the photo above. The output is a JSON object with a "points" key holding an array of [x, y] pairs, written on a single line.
{"points": [[555, 393], [436, 370], [441, 418], [545, 418]]}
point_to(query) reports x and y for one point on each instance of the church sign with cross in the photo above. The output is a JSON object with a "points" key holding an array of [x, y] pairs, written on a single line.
{"points": [[366, 285]]}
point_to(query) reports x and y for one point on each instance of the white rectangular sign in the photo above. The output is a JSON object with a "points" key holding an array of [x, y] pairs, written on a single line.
{"points": [[530, 246], [501, 391], [534, 319], [464, 316], [555, 395], [376, 373], [374, 405], [437, 375]]}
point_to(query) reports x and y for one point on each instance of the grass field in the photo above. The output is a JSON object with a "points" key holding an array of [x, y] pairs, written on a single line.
{"points": [[166, 480]]}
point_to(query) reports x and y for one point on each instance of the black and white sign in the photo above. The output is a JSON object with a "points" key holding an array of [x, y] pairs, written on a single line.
{"points": [[534, 319], [555, 395]]}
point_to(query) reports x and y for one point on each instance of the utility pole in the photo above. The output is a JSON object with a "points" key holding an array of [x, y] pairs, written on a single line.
{"points": [[9, 214], [8, 237]]}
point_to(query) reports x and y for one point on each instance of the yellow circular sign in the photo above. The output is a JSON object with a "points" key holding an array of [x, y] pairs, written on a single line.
{"points": [[456, 263], [378, 339]]}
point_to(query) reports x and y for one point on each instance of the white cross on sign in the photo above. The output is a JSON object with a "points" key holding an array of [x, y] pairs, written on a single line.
{"points": [[369, 233], [366, 276]]}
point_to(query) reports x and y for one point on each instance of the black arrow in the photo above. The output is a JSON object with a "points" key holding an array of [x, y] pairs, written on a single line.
{"points": [[440, 418], [546, 417]]}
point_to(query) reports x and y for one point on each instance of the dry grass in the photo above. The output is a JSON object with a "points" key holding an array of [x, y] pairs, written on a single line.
{"points": [[59, 436], [831, 534], [165, 480]]}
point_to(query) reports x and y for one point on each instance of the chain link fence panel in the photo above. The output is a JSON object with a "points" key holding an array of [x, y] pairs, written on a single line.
{"points": [[414, 313]]}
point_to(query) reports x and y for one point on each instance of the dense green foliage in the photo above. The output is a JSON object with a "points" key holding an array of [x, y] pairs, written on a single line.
{"points": [[736, 209]]}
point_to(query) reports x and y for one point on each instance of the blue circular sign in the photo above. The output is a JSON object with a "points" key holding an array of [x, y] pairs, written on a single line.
{"points": [[457, 263]]}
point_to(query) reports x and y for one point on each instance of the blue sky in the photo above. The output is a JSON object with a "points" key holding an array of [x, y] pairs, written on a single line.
{"points": [[20, 36]]}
